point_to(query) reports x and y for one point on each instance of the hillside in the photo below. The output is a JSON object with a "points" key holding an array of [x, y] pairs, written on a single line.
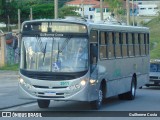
{"points": [[154, 26]]}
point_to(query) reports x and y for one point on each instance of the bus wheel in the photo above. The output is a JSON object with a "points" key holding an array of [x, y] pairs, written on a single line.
{"points": [[97, 103], [43, 103], [131, 94]]}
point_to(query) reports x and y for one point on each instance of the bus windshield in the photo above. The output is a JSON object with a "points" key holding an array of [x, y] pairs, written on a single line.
{"points": [[55, 54]]}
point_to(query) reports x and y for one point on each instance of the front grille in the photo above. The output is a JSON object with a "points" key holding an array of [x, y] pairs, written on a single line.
{"points": [[46, 87], [59, 87], [51, 96], [37, 86]]}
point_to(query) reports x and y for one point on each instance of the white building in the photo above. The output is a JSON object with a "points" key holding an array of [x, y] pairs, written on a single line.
{"points": [[147, 7], [147, 2], [148, 10], [89, 9]]}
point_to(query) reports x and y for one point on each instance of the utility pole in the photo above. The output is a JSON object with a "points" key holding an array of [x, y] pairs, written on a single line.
{"points": [[133, 12], [101, 9], [19, 20], [55, 9], [128, 11], [82, 6], [31, 14], [8, 25], [3, 51], [19, 25]]}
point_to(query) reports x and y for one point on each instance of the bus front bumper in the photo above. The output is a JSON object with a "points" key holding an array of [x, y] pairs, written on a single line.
{"points": [[49, 94]]}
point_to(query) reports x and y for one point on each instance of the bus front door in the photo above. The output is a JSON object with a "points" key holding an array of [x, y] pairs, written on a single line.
{"points": [[93, 60]]}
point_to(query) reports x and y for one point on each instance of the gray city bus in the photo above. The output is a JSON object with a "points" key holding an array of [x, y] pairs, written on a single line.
{"points": [[74, 60]]}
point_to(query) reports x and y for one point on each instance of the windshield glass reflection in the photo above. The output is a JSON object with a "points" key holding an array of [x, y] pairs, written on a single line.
{"points": [[67, 54]]}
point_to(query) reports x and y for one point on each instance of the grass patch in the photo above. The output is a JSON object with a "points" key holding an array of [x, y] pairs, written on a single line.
{"points": [[10, 67], [154, 26]]}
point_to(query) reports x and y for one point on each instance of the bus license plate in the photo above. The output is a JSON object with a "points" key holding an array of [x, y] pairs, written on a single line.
{"points": [[50, 94]]}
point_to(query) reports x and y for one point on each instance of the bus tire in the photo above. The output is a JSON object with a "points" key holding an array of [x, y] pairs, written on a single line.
{"points": [[131, 94], [43, 103], [98, 103]]}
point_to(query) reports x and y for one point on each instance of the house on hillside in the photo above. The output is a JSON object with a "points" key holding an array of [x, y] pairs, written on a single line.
{"points": [[148, 10], [147, 7], [90, 9]]}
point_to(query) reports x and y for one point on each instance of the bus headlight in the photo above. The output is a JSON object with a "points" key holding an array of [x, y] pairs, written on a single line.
{"points": [[74, 87], [83, 82], [92, 81], [26, 85], [21, 80], [78, 85]]}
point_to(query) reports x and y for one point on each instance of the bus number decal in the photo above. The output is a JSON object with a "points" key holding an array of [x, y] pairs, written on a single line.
{"points": [[64, 83]]}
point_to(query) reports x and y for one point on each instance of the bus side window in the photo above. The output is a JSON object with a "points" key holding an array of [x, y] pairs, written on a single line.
{"points": [[118, 45], [124, 45], [142, 44], [93, 47], [103, 47], [130, 44], [93, 36], [110, 45], [147, 44], [136, 45], [93, 56]]}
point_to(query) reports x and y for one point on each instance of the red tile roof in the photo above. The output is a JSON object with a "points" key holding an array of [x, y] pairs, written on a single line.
{"points": [[105, 5], [85, 2]]}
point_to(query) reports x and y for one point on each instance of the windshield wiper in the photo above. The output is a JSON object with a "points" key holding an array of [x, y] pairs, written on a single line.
{"points": [[43, 49], [58, 52], [65, 44], [44, 52]]}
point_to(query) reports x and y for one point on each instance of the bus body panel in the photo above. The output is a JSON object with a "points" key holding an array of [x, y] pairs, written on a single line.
{"points": [[117, 73], [38, 90]]}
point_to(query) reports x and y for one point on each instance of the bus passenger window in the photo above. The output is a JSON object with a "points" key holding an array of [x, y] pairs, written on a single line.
{"points": [[124, 45], [110, 50], [130, 44], [93, 36], [103, 48], [118, 45], [103, 38], [142, 44], [147, 44], [136, 44]]}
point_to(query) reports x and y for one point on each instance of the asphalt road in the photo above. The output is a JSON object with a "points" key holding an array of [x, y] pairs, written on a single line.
{"points": [[147, 100], [9, 90]]}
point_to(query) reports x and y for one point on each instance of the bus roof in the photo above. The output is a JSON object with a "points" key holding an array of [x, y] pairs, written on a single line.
{"points": [[99, 26]]}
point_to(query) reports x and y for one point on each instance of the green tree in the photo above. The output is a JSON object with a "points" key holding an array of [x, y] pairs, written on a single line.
{"points": [[43, 11], [8, 9], [116, 6], [2, 8], [68, 11]]}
